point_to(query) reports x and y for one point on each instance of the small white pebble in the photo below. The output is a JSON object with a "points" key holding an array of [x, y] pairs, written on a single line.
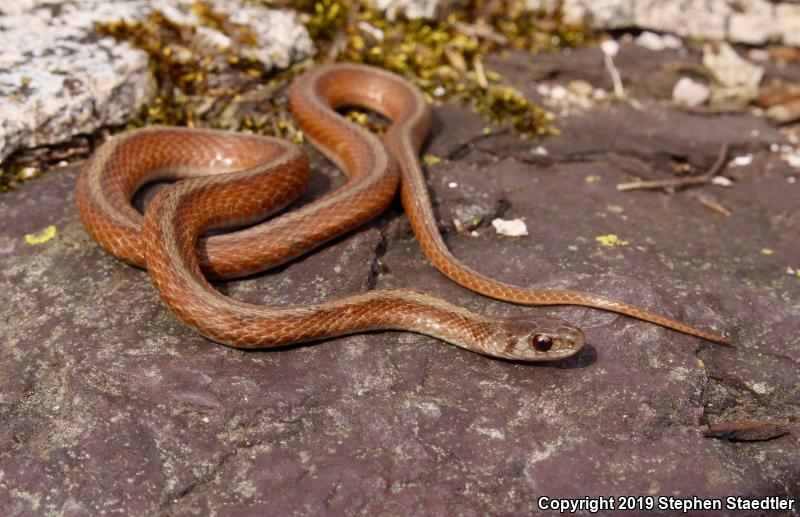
{"points": [[452, 184], [205, 419], [794, 160], [439, 91], [688, 92], [790, 271], [722, 181], [754, 133], [539, 151], [558, 92], [581, 88], [28, 172], [609, 47], [741, 161], [63, 163], [774, 148], [654, 41], [761, 388], [792, 180], [650, 40], [510, 228]]}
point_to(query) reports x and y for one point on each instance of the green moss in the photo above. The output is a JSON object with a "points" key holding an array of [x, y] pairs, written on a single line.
{"points": [[444, 58], [11, 175], [200, 84]]}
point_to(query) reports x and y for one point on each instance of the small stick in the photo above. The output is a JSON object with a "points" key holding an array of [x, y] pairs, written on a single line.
{"points": [[709, 202], [681, 182]]}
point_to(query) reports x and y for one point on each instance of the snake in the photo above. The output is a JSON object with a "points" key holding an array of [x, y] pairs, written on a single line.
{"points": [[213, 222]]}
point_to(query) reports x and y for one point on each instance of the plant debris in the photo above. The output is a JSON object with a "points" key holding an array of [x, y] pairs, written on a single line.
{"points": [[445, 58], [204, 85]]}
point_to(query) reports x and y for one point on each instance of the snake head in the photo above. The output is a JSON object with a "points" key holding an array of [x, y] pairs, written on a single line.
{"points": [[540, 339]]}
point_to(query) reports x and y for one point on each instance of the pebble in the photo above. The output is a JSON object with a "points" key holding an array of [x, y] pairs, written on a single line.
{"points": [[510, 228], [741, 161], [653, 41], [688, 92], [738, 79], [610, 47]]}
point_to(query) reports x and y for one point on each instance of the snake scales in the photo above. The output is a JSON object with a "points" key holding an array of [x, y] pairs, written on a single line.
{"points": [[231, 180]]}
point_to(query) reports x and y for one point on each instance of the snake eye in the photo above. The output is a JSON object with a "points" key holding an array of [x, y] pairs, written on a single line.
{"points": [[542, 343]]}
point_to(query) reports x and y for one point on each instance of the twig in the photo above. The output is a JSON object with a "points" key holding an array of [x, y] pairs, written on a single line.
{"points": [[710, 202], [681, 182]]}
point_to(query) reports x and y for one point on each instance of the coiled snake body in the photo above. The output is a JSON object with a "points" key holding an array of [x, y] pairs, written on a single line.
{"points": [[230, 180]]}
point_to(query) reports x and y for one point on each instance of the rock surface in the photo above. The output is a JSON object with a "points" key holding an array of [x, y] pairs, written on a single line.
{"points": [[754, 22], [109, 404], [738, 79], [68, 80]]}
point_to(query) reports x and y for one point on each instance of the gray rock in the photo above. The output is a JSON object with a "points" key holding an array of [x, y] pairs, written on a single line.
{"points": [[67, 81], [737, 78], [753, 22], [787, 17], [58, 85]]}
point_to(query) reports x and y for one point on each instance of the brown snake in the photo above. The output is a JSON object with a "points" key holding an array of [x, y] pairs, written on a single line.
{"points": [[230, 180]]}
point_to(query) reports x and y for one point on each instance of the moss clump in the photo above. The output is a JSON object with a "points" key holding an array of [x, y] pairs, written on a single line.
{"points": [[11, 175], [444, 57], [203, 84], [200, 84]]}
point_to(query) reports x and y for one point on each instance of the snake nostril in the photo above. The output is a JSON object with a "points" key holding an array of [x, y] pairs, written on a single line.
{"points": [[542, 343]]}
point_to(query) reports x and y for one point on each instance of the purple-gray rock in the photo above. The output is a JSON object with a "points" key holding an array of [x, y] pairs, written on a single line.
{"points": [[110, 405]]}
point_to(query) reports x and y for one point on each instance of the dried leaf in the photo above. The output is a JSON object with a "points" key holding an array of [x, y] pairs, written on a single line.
{"points": [[746, 430]]}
